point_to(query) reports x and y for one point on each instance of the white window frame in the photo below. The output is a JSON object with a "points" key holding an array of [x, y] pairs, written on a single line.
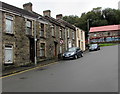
{"points": [[43, 31], [9, 48], [73, 35], [53, 30], [28, 26], [68, 33], [9, 18], [42, 50], [60, 32]]}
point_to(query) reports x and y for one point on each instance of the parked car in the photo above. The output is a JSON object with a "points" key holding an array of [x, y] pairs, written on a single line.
{"points": [[73, 53], [94, 47]]}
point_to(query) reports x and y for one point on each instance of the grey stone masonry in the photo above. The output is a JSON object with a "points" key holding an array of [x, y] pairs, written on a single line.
{"points": [[0, 47]]}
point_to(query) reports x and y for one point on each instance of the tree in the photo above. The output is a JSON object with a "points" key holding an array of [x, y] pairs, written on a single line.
{"points": [[98, 17]]}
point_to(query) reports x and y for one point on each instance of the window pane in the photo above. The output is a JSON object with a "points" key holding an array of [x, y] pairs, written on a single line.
{"points": [[42, 52], [9, 17], [28, 24], [73, 35], [9, 26], [42, 49], [42, 27], [8, 55], [41, 33], [53, 32]]}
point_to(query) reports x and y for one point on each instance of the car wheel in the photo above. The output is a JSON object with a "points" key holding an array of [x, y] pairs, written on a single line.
{"points": [[75, 56], [81, 54]]}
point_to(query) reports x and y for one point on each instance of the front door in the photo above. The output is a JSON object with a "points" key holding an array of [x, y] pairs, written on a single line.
{"points": [[79, 43], [32, 49], [55, 50]]}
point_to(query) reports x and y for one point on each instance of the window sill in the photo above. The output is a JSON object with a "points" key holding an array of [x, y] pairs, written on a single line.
{"points": [[61, 38], [42, 37], [8, 63], [9, 33], [53, 36], [42, 57]]}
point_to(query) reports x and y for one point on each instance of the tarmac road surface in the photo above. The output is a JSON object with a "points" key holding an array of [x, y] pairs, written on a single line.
{"points": [[96, 71]]}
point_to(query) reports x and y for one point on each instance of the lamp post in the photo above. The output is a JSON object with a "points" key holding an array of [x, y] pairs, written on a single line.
{"points": [[88, 27], [35, 41]]}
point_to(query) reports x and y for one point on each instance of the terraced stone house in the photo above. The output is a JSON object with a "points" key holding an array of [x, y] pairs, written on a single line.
{"points": [[19, 27], [28, 36], [69, 33]]}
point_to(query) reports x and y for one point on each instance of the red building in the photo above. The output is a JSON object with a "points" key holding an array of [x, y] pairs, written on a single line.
{"points": [[102, 34]]}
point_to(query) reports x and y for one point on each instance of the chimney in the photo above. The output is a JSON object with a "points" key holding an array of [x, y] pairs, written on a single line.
{"points": [[47, 13], [59, 16], [28, 6]]}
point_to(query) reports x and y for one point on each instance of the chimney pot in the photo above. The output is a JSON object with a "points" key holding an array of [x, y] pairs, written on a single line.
{"points": [[47, 13], [59, 16], [28, 6]]}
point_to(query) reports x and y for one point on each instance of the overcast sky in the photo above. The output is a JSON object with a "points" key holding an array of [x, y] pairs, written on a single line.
{"points": [[65, 7]]}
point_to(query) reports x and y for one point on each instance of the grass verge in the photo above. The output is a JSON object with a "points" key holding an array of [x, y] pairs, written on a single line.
{"points": [[108, 44]]}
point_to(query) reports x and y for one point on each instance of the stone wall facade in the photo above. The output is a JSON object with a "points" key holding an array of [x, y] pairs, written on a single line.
{"points": [[52, 37], [17, 39]]}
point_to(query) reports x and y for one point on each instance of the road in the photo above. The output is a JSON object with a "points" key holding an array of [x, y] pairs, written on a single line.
{"points": [[97, 71]]}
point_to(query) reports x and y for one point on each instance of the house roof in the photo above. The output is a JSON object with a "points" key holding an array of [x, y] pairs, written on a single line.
{"points": [[105, 28], [52, 20], [33, 14], [66, 24], [20, 11]]}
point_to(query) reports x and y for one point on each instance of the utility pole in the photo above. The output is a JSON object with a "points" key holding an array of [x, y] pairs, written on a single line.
{"points": [[88, 27], [35, 40]]}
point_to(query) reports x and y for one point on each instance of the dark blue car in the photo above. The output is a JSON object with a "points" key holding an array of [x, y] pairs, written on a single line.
{"points": [[73, 53]]}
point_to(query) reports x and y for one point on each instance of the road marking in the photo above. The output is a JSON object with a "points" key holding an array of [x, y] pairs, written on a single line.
{"points": [[28, 70]]}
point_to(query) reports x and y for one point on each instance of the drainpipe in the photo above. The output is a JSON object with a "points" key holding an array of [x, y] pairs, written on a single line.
{"points": [[35, 40]]}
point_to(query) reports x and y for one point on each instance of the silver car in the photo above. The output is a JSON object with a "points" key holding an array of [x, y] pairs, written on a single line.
{"points": [[94, 47]]}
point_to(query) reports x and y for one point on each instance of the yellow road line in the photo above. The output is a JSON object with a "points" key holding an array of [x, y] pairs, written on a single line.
{"points": [[28, 70]]}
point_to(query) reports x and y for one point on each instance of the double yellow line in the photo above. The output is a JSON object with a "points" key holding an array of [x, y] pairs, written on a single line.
{"points": [[28, 70]]}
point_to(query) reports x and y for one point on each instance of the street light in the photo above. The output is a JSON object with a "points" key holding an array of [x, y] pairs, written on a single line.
{"points": [[35, 40], [88, 27]]}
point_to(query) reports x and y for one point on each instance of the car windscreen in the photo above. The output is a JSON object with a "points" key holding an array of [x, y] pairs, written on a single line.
{"points": [[71, 49], [93, 45]]}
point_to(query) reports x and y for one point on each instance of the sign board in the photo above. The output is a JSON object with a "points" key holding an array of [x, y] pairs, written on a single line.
{"points": [[61, 41]]}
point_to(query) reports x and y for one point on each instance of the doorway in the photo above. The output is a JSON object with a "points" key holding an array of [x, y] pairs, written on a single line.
{"points": [[55, 50], [32, 49]]}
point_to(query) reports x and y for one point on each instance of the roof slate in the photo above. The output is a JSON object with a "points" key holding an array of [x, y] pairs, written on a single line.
{"points": [[33, 14], [20, 11]]}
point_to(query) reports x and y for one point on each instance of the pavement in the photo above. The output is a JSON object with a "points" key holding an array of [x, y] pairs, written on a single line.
{"points": [[23, 68]]}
